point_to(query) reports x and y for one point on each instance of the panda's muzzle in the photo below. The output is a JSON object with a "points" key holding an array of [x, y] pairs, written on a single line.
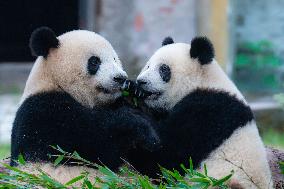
{"points": [[112, 90], [144, 93], [152, 95], [114, 87], [104, 90], [120, 79]]}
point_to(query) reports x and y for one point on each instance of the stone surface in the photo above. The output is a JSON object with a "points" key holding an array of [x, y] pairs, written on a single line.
{"points": [[274, 157], [13, 76]]}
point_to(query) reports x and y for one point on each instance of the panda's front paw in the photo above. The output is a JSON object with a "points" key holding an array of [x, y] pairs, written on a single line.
{"points": [[148, 139], [132, 135]]}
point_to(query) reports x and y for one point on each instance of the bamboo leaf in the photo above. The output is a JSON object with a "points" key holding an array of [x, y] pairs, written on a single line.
{"points": [[205, 169], [21, 160], [125, 93], [74, 180], [222, 180], [281, 164], [58, 160], [202, 180], [190, 165]]}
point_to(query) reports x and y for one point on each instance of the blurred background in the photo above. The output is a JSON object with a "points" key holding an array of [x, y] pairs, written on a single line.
{"points": [[247, 35]]}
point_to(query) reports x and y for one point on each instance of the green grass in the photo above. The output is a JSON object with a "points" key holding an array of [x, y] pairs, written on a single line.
{"points": [[4, 151], [126, 178], [14, 89], [273, 138], [281, 164]]}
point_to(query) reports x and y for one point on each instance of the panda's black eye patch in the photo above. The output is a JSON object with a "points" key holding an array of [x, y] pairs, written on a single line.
{"points": [[93, 65], [165, 72]]}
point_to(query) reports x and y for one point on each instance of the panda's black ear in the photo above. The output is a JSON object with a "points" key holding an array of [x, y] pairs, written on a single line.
{"points": [[167, 41], [43, 39], [202, 48]]}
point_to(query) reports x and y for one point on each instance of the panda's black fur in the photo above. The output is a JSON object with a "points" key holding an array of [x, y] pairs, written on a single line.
{"points": [[42, 39], [55, 118], [195, 127], [165, 72], [167, 41], [202, 49]]}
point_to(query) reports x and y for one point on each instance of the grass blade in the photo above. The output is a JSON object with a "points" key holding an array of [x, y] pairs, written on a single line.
{"points": [[74, 180], [58, 160]]}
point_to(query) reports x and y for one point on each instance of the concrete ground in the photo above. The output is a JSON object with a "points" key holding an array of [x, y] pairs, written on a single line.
{"points": [[8, 107], [13, 77]]}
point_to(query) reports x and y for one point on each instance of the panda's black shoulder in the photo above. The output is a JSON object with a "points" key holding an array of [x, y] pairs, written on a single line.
{"points": [[213, 107], [52, 99], [42, 106], [203, 120], [41, 121]]}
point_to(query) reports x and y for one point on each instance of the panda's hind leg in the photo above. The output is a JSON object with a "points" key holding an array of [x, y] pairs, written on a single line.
{"points": [[244, 153]]}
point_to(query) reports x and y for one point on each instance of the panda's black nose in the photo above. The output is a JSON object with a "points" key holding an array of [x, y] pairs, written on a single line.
{"points": [[120, 79], [141, 82]]}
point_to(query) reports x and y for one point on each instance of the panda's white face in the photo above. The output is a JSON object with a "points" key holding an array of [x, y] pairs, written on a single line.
{"points": [[86, 66], [169, 75], [176, 69]]}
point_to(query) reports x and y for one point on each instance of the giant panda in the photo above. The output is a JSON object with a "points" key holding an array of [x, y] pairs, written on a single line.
{"points": [[202, 115], [72, 99]]}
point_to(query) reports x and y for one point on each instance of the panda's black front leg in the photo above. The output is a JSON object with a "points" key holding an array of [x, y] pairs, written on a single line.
{"points": [[137, 127], [125, 129]]}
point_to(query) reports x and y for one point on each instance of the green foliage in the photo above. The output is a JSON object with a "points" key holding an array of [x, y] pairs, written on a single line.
{"points": [[126, 178], [273, 137], [125, 93], [280, 99], [281, 164], [256, 55], [256, 66], [132, 99], [4, 150]]}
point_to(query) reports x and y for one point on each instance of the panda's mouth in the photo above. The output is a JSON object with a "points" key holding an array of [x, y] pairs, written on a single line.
{"points": [[154, 95], [107, 91]]}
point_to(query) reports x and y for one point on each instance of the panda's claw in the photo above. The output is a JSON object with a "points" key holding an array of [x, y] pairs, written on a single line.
{"points": [[124, 85]]}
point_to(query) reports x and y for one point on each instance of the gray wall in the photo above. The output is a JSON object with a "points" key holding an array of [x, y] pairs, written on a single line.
{"points": [[136, 28]]}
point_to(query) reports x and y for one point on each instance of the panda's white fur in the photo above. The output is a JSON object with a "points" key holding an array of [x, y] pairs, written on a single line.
{"points": [[244, 148], [65, 69]]}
